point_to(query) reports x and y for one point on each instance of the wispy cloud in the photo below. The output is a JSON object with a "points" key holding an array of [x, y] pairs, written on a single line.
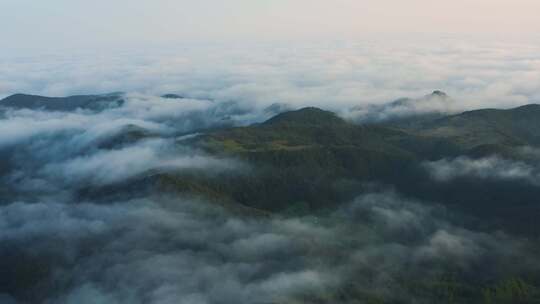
{"points": [[484, 168]]}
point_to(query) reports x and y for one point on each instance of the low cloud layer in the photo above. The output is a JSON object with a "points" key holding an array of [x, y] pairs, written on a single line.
{"points": [[164, 250], [105, 167], [436, 103], [54, 153], [494, 167]]}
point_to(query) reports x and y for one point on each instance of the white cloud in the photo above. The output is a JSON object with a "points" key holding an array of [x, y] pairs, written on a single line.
{"points": [[334, 76], [486, 168], [109, 166]]}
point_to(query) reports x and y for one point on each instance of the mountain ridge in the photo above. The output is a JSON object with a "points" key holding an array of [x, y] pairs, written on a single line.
{"points": [[67, 103]]}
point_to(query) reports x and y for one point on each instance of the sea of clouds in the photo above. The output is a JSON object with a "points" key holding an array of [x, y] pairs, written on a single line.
{"points": [[56, 247], [60, 247], [333, 75]]}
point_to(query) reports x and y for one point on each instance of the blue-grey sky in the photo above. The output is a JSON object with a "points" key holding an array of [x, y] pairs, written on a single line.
{"points": [[78, 23]]}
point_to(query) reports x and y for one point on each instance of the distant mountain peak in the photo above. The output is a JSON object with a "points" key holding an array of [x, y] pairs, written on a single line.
{"points": [[439, 93], [528, 107], [306, 116], [172, 96]]}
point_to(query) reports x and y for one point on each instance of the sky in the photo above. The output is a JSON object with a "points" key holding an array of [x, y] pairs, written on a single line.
{"points": [[75, 24], [333, 54]]}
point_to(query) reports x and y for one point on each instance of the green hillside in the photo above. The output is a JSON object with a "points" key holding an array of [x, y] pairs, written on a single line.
{"points": [[310, 160], [519, 126]]}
